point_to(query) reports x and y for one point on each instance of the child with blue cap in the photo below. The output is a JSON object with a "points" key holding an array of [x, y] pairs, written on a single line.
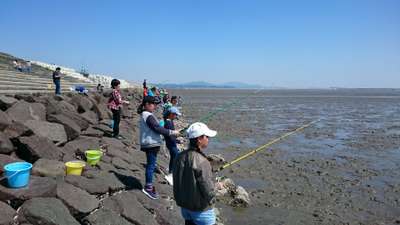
{"points": [[171, 141]]}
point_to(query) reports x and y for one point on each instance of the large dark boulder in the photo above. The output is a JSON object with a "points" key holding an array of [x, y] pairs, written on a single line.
{"points": [[77, 200], [112, 142], [57, 107], [5, 120], [68, 110], [130, 208], [26, 97], [91, 132], [17, 129], [105, 165], [102, 111], [6, 159], [93, 186], [103, 127], [72, 129], [48, 168], [82, 102], [23, 111], [34, 147], [97, 181], [47, 211], [121, 164], [91, 117], [128, 113], [7, 214], [78, 119], [165, 209], [38, 187], [6, 102], [113, 182], [81, 144], [52, 131], [6, 145], [123, 154], [106, 217]]}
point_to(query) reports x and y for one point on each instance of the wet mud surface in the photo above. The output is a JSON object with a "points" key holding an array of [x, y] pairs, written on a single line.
{"points": [[345, 169]]}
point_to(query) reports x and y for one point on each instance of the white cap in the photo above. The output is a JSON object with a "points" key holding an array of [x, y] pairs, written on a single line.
{"points": [[198, 129]]}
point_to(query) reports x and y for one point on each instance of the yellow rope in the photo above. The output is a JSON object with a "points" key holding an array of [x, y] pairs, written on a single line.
{"points": [[266, 145]]}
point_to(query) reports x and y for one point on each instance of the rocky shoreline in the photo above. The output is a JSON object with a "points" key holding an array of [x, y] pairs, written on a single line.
{"points": [[48, 131]]}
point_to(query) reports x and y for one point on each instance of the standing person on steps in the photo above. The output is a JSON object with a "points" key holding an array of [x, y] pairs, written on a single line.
{"points": [[115, 104], [150, 140], [57, 80], [194, 189]]}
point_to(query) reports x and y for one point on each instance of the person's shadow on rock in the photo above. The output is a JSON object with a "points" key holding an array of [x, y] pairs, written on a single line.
{"points": [[130, 182]]}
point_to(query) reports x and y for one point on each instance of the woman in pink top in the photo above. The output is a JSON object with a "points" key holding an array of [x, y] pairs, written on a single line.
{"points": [[115, 104]]}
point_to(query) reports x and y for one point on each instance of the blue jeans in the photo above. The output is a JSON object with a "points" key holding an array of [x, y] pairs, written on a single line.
{"points": [[173, 153], [58, 86], [151, 156], [200, 217]]}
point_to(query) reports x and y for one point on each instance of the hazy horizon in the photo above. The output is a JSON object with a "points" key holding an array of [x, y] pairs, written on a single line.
{"points": [[291, 44]]}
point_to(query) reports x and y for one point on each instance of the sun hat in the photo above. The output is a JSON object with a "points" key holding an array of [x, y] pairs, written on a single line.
{"points": [[198, 129], [174, 110]]}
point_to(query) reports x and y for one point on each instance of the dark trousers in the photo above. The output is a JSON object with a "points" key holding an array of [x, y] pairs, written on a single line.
{"points": [[117, 119], [58, 86], [189, 222], [173, 153], [151, 157]]}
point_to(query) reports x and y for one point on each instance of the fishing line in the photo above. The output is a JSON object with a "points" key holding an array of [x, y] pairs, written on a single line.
{"points": [[262, 147]]}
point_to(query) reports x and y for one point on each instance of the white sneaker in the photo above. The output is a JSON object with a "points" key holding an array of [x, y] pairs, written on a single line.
{"points": [[169, 179]]}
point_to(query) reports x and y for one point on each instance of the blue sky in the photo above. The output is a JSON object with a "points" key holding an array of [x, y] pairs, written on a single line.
{"points": [[274, 43]]}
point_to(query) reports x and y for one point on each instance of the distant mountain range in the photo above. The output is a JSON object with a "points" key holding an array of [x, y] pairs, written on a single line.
{"points": [[201, 84]]}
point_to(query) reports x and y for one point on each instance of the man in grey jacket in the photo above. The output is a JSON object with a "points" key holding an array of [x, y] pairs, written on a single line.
{"points": [[193, 181]]}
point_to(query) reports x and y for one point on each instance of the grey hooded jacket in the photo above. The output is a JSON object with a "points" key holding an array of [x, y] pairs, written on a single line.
{"points": [[151, 131]]}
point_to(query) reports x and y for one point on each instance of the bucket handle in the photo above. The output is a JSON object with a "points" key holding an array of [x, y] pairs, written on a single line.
{"points": [[95, 157], [101, 153], [15, 173]]}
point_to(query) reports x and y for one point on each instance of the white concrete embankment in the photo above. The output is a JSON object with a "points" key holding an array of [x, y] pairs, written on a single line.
{"points": [[104, 80]]}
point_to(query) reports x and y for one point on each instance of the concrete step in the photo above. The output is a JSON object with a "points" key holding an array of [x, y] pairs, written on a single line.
{"points": [[21, 82], [24, 73], [46, 76], [27, 91], [34, 76], [30, 87]]}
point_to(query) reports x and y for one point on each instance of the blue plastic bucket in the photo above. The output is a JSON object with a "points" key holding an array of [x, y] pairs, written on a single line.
{"points": [[17, 174]]}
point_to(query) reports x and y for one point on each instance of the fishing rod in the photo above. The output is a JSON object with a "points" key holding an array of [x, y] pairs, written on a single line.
{"points": [[225, 107], [252, 152]]}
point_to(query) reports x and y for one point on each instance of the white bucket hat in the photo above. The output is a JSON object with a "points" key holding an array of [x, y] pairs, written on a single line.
{"points": [[198, 129]]}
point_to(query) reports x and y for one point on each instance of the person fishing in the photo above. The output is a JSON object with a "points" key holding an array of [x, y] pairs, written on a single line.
{"points": [[167, 104], [194, 189], [115, 103], [174, 100], [144, 88], [171, 141], [152, 91], [150, 140]]}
